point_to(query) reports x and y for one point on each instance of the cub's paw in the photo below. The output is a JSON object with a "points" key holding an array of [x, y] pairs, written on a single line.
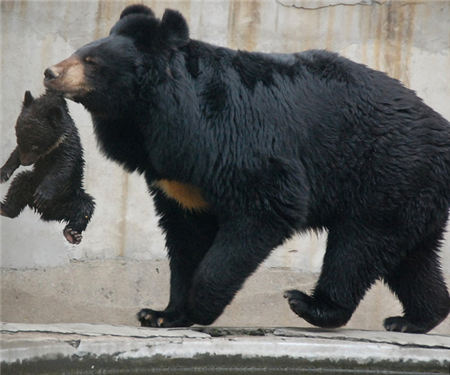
{"points": [[153, 318], [73, 236], [5, 174], [316, 311], [5, 212], [401, 324]]}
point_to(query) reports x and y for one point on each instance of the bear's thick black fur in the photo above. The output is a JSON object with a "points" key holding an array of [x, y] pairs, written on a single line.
{"points": [[242, 150], [48, 138]]}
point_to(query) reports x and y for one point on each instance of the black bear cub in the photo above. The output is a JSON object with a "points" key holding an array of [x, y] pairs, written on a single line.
{"points": [[47, 137]]}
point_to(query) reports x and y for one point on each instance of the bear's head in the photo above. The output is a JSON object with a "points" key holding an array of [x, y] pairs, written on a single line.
{"points": [[105, 75], [40, 126]]}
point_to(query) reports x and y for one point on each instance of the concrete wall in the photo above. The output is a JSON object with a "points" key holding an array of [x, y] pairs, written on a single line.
{"points": [[407, 39]]}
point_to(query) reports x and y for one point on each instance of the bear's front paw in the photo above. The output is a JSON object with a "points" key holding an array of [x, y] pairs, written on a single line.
{"points": [[5, 174], [316, 311], [5, 212], [153, 318], [73, 236]]}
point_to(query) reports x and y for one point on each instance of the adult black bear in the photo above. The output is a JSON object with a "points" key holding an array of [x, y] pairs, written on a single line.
{"points": [[241, 150], [48, 138]]}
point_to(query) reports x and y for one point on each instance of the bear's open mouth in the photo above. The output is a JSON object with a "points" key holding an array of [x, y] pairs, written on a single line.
{"points": [[66, 91]]}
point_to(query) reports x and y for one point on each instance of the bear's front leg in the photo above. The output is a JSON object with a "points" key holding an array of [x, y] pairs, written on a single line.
{"points": [[189, 235], [350, 266], [10, 166], [240, 246]]}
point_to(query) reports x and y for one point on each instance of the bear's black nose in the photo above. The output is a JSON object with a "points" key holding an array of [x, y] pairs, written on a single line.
{"points": [[50, 74]]}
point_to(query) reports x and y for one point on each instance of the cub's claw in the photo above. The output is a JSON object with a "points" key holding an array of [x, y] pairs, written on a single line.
{"points": [[5, 174]]}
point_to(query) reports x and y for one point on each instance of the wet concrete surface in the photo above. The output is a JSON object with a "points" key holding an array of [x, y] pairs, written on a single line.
{"points": [[107, 349]]}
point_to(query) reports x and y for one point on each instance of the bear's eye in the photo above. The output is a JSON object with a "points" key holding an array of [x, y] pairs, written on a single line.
{"points": [[90, 60]]}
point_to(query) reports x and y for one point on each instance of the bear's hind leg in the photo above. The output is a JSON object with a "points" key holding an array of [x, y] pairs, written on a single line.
{"points": [[418, 283], [78, 215], [350, 267], [75, 209]]}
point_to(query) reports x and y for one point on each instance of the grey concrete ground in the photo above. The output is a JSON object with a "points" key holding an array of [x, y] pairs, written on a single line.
{"points": [[112, 291], [95, 349]]}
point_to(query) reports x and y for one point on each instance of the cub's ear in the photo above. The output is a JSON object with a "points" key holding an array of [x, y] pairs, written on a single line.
{"points": [[174, 28], [27, 99], [137, 9]]}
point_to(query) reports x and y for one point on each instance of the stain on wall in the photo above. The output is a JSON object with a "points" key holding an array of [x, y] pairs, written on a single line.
{"points": [[408, 39]]}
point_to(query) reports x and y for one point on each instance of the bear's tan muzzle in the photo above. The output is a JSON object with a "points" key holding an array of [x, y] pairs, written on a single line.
{"points": [[67, 77]]}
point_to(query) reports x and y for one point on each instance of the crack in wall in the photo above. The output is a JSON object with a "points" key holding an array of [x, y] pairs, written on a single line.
{"points": [[361, 3]]}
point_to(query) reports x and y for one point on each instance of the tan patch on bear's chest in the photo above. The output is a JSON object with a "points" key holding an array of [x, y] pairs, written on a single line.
{"points": [[188, 196]]}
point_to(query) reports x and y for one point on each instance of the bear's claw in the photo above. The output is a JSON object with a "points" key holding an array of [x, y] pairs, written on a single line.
{"points": [[319, 312], [401, 324], [153, 318]]}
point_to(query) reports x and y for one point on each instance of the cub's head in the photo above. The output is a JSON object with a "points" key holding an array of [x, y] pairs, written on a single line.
{"points": [[40, 126], [105, 75]]}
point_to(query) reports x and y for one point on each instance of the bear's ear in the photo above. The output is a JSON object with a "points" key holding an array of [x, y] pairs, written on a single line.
{"points": [[27, 99], [174, 28], [137, 22], [137, 9]]}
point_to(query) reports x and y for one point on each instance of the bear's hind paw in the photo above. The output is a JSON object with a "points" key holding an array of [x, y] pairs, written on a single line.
{"points": [[73, 236], [402, 324], [315, 311]]}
